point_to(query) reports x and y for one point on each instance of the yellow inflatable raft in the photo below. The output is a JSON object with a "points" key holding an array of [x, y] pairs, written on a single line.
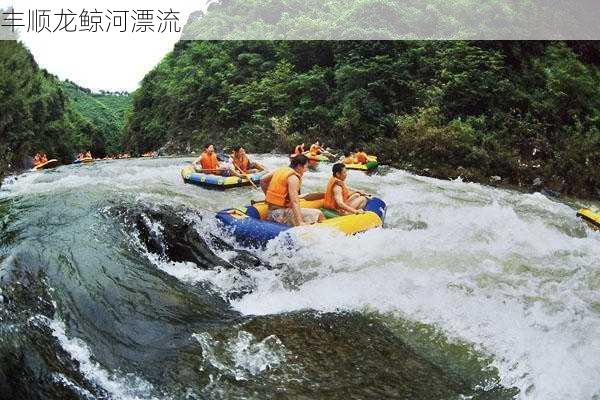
{"points": [[370, 165], [48, 164], [249, 224], [592, 218]]}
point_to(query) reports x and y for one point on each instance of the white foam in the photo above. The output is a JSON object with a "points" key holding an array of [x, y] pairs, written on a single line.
{"points": [[118, 385], [243, 356], [483, 270]]}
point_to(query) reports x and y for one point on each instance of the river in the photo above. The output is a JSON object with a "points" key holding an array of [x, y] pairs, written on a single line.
{"points": [[118, 283]]}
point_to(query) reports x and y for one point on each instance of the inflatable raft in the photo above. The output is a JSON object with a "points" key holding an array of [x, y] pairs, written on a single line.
{"points": [[48, 164], [212, 181], [249, 225], [86, 160], [316, 158], [590, 217], [369, 166]]}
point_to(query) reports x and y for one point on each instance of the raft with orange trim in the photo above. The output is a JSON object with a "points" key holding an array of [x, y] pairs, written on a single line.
{"points": [[369, 166], [316, 158], [48, 164], [249, 225], [220, 182]]}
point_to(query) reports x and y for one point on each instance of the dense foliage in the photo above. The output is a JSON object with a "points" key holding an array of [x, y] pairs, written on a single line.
{"points": [[34, 115], [106, 111], [37, 113], [523, 111], [393, 20]]}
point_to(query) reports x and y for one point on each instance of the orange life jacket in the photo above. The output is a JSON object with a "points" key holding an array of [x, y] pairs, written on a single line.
{"points": [[243, 164], [209, 161], [361, 157], [278, 190], [314, 149], [329, 201]]}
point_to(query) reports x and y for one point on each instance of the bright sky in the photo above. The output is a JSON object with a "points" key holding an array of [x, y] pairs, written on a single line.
{"points": [[105, 60]]}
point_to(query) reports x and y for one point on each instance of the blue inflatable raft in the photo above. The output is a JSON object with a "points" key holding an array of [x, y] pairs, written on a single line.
{"points": [[249, 225], [220, 182]]}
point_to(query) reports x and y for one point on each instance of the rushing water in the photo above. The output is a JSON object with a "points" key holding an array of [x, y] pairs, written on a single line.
{"points": [[117, 282]]}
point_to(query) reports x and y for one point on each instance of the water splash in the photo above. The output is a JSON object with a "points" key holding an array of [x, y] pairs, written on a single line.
{"points": [[121, 386], [241, 357]]}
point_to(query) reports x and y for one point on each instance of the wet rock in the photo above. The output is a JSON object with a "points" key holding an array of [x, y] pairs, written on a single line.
{"points": [[550, 193], [166, 233]]}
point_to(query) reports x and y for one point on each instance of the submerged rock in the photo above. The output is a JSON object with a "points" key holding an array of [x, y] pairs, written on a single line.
{"points": [[311, 355], [33, 365]]}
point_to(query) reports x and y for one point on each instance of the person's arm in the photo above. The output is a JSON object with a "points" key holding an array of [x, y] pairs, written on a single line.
{"points": [[352, 191], [293, 188], [339, 199], [265, 181], [235, 170], [198, 161]]}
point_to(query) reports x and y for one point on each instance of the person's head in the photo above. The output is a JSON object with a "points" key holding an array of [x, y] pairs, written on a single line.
{"points": [[339, 171], [317, 143], [360, 150], [348, 154], [209, 148], [239, 151], [299, 163]]}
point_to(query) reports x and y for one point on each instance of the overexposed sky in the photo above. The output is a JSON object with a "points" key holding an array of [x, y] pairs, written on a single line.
{"points": [[104, 60]]}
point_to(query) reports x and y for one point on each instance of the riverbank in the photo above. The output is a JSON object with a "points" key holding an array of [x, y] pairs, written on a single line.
{"points": [[525, 177]]}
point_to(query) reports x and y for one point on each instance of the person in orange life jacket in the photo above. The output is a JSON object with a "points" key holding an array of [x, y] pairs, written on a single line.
{"points": [[208, 163], [282, 194], [361, 156], [348, 158], [339, 197], [88, 154], [299, 149], [39, 158], [316, 149], [242, 163]]}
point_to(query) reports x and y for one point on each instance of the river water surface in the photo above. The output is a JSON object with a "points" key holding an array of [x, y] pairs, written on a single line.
{"points": [[118, 283]]}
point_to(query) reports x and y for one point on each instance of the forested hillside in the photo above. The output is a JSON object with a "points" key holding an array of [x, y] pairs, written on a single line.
{"points": [[34, 112], [522, 112], [38, 112], [393, 20], [105, 110]]}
